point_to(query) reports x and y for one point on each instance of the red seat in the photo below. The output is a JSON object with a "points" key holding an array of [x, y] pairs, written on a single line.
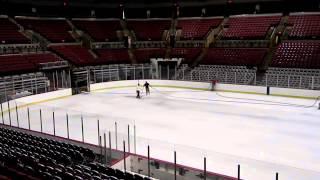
{"points": [[188, 54], [76, 54], [249, 27], [99, 30], [297, 54], [306, 26], [9, 33], [151, 29], [113, 56], [54, 30], [144, 55], [20, 63], [235, 56], [197, 28]]}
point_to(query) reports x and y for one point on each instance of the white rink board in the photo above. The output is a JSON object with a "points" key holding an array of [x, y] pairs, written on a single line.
{"points": [[207, 86], [37, 98], [295, 92]]}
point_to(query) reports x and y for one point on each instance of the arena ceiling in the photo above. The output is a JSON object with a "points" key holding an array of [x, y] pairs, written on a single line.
{"points": [[158, 8], [132, 3]]}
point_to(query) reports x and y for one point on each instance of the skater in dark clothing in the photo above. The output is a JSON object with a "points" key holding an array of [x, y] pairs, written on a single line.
{"points": [[146, 85]]}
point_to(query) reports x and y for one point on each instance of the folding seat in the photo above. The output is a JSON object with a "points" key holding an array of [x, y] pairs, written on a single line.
{"points": [[56, 177], [104, 176], [60, 166], [113, 178], [86, 175], [119, 174], [29, 170], [11, 160], [138, 177], [85, 167], [46, 175], [128, 176], [76, 156], [68, 176], [69, 168], [77, 172], [92, 165], [95, 173], [100, 167], [77, 166], [89, 155], [96, 177]]}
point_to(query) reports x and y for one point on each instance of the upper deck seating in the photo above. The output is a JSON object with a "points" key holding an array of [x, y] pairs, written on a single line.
{"points": [[9, 33], [304, 26], [99, 30], [54, 30], [149, 29], [250, 27], [197, 28]]}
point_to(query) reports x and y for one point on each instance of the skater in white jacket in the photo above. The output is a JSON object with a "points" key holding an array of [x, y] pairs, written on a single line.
{"points": [[139, 89]]}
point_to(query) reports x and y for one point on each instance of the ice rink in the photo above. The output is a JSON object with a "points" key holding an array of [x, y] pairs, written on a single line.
{"points": [[265, 134]]}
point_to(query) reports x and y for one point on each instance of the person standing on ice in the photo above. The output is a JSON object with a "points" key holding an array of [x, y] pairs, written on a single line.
{"points": [[138, 90], [146, 85]]}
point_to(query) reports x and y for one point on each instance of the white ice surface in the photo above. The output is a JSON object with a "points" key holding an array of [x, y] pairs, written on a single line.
{"points": [[274, 135]]}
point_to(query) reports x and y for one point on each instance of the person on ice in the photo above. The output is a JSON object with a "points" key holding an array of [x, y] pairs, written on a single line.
{"points": [[146, 85], [139, 90]]}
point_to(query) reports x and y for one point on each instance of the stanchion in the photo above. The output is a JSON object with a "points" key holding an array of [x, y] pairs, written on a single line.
{"points": [[82, 128], [238, 171], [41, 128], [9, 111], [128, 138], [17, 115], [68, 133], [110, 149], [205, 168], [149, 161], [105, 147], [2, 114], [135, 139], [116, 135], [98, 124], [54, 124], [29, 125], [175, 165], [277, 176], [124, 156], [100, 146]]}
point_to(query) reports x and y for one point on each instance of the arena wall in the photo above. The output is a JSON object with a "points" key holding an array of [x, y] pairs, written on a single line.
{"points": [[298, 93]]}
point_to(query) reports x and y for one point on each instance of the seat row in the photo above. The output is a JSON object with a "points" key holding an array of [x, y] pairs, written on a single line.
{"points": [[19, 63], [297, 54], [57, 30], [250, 27], [306, 26], [9, 33], [42, 158]]}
